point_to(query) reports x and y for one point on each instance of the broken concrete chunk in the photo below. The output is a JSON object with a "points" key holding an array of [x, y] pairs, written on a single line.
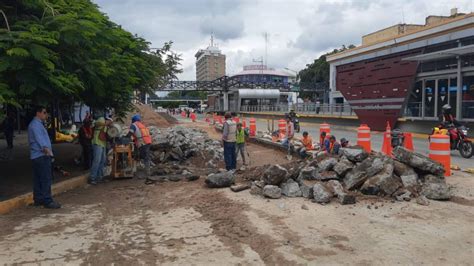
{"points": [[290, 189], [274, 175], [375, 167], [342, 167], [418, 161], [306, 191], [354, 179], [220, 180], [327, 164], [436, 191], [307, 172], [326, 175], [256, 190], [402, 169], [271, 191], [239, 187], [354, 154], [404, 197], [411, 182], [422, 200], [321, 194], [343, 197], [384, 183]]}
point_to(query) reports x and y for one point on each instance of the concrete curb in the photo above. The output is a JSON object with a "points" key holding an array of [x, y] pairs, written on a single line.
{"points": [[27, 199]]}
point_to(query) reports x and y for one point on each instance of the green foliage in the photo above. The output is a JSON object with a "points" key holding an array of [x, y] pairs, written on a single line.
{"points": [[317, 72], [65, 50]]}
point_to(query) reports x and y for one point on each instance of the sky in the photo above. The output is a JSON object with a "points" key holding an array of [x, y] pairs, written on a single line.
{"points": [[298, 31]]}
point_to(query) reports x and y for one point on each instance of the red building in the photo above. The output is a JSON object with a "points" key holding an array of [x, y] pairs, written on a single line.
{"points": [[408, 71]]}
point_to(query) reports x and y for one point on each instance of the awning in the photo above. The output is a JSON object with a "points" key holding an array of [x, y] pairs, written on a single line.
{"points": [[453, 52], [259, 93]]}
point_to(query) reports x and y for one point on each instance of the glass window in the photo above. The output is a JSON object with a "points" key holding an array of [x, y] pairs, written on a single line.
{"points": [[453, 88], [415, 99], [467, 61], [468, 97], [429, 98], [442, 94]]}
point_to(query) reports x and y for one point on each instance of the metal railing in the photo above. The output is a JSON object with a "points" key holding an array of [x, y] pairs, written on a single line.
{"points": [[303, 108]]}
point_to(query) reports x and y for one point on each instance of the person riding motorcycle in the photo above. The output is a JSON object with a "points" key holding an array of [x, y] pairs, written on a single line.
{"points": [[447, 117], [294, 118]]}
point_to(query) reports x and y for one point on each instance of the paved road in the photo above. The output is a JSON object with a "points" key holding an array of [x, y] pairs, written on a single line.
{"points": [[421, 144]]}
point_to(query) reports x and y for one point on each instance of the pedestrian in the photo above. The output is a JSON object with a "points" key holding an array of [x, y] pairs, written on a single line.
{"points": [[85, 139], [332, 146], [318, 107], [8, 129], [142, 139], [99, 143], [307, 142], [41, 155], [344, 143], [290, 132], [240, 136], [229, 137]]}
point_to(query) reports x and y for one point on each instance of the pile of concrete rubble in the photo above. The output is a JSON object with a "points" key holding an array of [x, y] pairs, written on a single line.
{"points": [[404, 177], [181, 143]]}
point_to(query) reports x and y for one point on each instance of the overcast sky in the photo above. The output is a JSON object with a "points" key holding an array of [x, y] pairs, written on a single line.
{"points": [[299, 31]]}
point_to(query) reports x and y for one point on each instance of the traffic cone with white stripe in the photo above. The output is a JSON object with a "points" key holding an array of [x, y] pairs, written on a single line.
{"points": [[387, 141]]}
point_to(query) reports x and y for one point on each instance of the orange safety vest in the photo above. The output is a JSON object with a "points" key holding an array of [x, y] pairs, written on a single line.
{"points": [[146, 137]]}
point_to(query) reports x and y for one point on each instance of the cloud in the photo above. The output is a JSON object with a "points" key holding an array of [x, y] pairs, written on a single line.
{"points": [[299, 31]]}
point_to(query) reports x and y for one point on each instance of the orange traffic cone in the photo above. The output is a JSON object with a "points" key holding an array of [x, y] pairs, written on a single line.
{"points": [[408, 142], [387, 141]]}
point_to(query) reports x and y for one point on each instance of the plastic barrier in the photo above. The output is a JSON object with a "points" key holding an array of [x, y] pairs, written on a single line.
{"points": [[363, 137], [183, 114], [282, 128], [236, 119], [408, 142], [244, 123], [253, 127], [193, 117], [324, 127], [387, 141], [440, 151]]}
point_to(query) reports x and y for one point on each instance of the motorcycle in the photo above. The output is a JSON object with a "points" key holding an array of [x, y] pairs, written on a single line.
{"points": [[458, 139], [296, 124]]}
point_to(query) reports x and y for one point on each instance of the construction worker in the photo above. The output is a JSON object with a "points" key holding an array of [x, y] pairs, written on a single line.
{"points": [[332, 146], [99, 143], [85, 139], [142, 139], [229, 137], [307, 142], [322, 139], [240, 136], [290, 132], [344, 143], [41, 154]]}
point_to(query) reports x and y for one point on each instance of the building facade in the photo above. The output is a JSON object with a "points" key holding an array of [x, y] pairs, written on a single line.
{"points": [[408, 71], [260, 74], [210, 64]]}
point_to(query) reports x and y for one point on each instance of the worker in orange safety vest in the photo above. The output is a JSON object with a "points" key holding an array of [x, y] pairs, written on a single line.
{"points": [[142, 139]]}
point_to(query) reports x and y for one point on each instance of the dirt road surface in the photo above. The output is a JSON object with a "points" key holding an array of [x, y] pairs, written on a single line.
{"points": [[174, 223]]}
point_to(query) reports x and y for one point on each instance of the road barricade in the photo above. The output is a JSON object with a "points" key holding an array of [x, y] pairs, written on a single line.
{"points": [[363, 137], [324, 127], [253, 127], [408, 141], [282, 128], [440, 151], [387, 141]]}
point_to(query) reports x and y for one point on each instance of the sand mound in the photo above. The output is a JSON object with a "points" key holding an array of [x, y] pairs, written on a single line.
{"points": [[149, 116]]}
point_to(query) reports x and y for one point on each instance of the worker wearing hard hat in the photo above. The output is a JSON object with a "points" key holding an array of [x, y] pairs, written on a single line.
{"points": [[142, 139]]}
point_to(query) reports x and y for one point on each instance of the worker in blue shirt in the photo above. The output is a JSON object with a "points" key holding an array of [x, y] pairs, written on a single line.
{"points": [[41, 155]]}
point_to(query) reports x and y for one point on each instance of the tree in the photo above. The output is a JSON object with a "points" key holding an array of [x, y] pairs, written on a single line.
{"points": [[316, 74], [67, 50]]}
